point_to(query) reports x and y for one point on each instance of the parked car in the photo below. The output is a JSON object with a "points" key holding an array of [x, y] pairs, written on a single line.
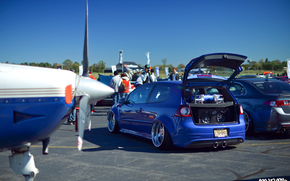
{"points": [[265, 103], [108, 101], [283, 78], [185, 113], [268, 73], [251, 76]]}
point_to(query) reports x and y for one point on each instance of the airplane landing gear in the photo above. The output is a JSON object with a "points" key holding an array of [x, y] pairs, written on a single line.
{"points": [[22, 162]]}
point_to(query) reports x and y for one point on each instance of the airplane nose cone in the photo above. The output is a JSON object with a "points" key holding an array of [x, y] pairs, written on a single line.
{"points": [[95, 89]]}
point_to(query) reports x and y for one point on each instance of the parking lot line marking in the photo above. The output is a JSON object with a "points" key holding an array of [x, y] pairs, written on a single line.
{"points": [[263, 144], [242, 145], [39, 146]]}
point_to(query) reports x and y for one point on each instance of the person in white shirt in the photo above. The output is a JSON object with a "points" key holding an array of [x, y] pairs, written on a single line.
{"points": [[128, 73], [115, 83], [139, 80], [153, 78]]}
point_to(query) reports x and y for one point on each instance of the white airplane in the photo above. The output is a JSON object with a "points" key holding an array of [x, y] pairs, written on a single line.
{"points": [[34, 102]]}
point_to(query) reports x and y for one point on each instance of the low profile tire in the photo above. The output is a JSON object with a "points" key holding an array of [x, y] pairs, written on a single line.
{"points": [[160, 137], [113, 126], [249, 124]]}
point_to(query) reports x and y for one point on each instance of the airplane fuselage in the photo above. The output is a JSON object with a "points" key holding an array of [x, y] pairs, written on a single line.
{"points": [[32, 103]]}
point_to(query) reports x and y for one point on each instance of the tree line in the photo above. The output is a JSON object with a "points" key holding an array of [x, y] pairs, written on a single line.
{"points": [[69, 65], [96, 67], [99, 67], [170, 66], [275, 65]]}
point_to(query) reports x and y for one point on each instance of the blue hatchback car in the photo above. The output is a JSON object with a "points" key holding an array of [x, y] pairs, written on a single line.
{"points": [[198, 111]]}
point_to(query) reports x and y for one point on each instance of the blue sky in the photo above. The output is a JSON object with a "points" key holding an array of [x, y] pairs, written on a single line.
{"points": [[178, 30]]}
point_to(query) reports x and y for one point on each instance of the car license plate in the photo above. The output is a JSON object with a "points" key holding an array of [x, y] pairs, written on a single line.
{"points": [[219, 133]]}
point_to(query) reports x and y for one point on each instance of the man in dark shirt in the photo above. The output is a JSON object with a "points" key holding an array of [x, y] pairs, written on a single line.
{"points": [[174, 75], [146, 75]]}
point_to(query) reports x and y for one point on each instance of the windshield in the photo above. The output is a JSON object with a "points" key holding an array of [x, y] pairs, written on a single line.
{"points": [[273, 87], [215, 71]]}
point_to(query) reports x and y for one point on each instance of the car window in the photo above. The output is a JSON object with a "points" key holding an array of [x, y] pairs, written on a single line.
{"points": [[212, 91], [140, 95], [160, 93], [282, 78], [273, 87], [237, 89]]}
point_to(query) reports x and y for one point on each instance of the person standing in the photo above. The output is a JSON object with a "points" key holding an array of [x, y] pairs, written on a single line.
{"points": [[124, 80], [174, 76], [115, 83], [136, 75], [139, 80], [128, 73], [152, 76], [146, 75]]}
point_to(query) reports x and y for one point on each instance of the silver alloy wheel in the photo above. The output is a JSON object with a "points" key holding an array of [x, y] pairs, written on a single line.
{"points": [[247, 120], [111, 122], [157, 134]]}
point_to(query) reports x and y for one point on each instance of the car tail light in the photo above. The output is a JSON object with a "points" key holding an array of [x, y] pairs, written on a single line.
{"points": [[183, 111], [277, 103], [241, 110]]}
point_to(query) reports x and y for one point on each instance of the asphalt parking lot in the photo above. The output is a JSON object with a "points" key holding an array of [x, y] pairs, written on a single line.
{"points": [[107, 156]]}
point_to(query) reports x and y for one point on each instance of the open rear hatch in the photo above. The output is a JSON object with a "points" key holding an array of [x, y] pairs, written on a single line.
{"points": [[218, 67], [205, 79]]}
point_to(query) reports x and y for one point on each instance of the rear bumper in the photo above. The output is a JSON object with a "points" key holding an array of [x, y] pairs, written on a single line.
{"points": [[214, 143], [191, 135], [279, 120], [282, 128]]}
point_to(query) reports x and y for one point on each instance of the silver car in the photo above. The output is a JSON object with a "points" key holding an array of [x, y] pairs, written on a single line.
{"points": [[265, 103]]}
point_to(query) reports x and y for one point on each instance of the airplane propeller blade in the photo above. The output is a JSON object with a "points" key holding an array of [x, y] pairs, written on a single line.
{"points": [[86, 53], [89, 120], [88, 91], [82, 119]]}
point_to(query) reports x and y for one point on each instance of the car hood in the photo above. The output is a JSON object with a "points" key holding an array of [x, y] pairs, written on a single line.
{"points": [[207, 67]]}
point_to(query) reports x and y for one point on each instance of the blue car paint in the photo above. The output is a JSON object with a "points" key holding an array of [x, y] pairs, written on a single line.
{"points": [[253, 103], [188, 132], [182, 130]]}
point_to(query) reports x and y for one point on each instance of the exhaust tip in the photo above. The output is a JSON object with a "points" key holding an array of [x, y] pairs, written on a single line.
{"points": [[224, 145], [215, 145]]}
